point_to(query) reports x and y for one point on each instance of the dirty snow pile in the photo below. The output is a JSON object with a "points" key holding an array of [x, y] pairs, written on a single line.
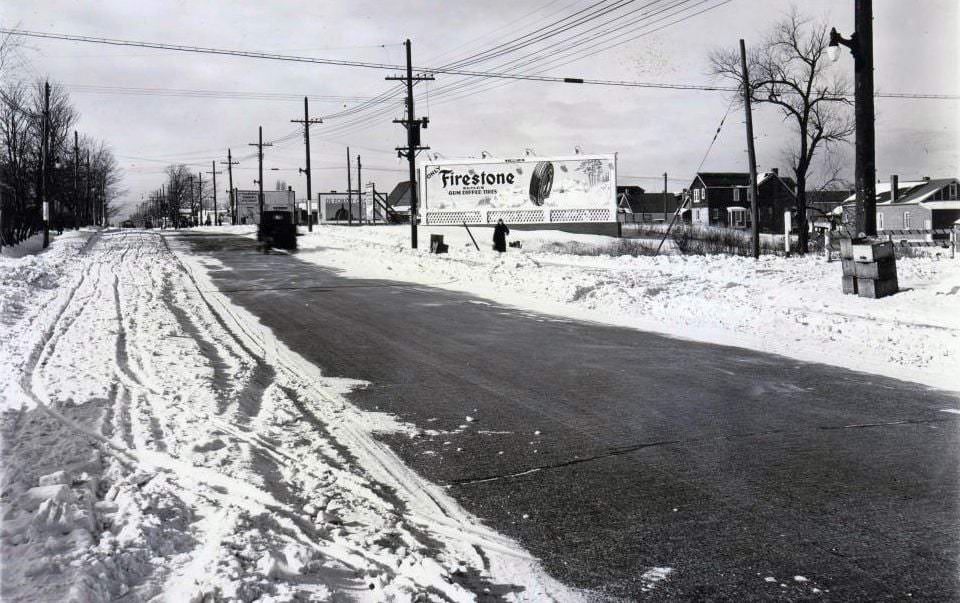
{"points": [[158, 443], [790, 306]]}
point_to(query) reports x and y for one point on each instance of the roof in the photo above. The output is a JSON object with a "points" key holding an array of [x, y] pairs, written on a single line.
{"points": [[826, 198], [400, 195], [718, 179], [724, 178], [644, 202], [915, 191]]}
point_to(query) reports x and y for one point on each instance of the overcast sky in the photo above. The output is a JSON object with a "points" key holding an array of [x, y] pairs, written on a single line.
{"points": [[652, 131]]}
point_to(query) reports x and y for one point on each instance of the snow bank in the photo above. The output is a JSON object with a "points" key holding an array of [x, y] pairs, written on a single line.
{"points": [[789, 306]]}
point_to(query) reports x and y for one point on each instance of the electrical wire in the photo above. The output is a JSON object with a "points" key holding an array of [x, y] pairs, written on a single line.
{"points": [[390, 67]]}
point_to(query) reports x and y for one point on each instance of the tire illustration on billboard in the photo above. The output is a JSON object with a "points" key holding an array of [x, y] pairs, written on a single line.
{"points": [[541, 182]]}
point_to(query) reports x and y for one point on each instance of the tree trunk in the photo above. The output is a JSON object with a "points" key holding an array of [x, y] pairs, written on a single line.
{"points": [[802, 235]]}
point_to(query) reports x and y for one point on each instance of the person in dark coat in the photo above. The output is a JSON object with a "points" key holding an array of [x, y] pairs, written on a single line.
{"points": [[500, 232]]}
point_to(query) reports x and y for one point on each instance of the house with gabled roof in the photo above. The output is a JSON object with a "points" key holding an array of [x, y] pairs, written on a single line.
{"points": [[908, 207], [722, 199]]}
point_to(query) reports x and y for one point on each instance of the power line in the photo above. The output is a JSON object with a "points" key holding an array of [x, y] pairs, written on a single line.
{"points": [[391, 67]]}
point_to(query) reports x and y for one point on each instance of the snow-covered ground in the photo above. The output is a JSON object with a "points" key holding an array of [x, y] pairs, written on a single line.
{"points": [[789, 306], [159, 444]]}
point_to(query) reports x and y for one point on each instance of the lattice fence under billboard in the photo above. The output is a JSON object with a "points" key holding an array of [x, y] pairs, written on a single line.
{"points": [[581, 215], [440, 218], [519, 216]]}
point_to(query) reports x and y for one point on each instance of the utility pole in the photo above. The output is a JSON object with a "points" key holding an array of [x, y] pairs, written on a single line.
{"points": [[860, 44], [233, 202], [192, 201], [88, 198], [349, 191], [45, 149], [751, 157], [413, 140], [359, 191], [259, 144], [103, 198], [306, 121], [214, 172], [200, 200], [664, 196], [76, 179]]}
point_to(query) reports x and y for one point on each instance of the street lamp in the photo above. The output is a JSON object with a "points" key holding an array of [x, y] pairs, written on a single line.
{"points": [[833, 49]]}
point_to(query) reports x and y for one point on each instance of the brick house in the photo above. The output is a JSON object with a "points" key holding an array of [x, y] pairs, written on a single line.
{"points": [[721, 199]]}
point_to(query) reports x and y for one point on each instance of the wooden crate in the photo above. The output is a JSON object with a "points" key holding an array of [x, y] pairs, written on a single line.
{"points": [[849, 284], [871, 251], [876, 288], [846, 249], [883, 269]]}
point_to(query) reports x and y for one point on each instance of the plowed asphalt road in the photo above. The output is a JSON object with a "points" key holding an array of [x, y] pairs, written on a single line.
{"points": [[608, 451]]}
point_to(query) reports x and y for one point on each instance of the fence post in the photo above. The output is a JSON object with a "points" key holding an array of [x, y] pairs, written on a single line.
{"points": [[826, 245], [954, 240], [787, 227]]}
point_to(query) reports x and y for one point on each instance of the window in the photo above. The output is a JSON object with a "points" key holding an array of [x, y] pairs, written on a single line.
{"points": [[879, 220], [696, 195], [736, 193], [906, 220], [953, 191], [714, 214]]}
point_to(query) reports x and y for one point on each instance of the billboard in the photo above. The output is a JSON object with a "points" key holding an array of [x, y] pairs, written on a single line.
{"points": [[340, 207], [248, 204], [582, 188]]}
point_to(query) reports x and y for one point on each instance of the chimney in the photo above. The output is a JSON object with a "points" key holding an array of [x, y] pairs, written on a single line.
{"points": [[894, 189], [775, 171]]}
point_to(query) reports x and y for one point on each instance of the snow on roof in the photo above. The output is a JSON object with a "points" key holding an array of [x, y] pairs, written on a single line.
{"points": [[736, 208], [942, 204]]}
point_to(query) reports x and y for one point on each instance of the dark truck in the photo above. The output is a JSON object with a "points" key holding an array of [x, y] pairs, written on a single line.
{"points": [[277, 229]]}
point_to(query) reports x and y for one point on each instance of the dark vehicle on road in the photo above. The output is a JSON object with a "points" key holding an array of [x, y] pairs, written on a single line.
{"points": [[277, 229], [127, 224]]}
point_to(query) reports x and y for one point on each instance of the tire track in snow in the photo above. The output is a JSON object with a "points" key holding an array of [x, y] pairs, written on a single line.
{"points": [[444, 517]]}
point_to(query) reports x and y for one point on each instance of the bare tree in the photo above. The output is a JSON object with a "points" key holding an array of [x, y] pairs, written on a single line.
{"points": [[789, 71], [177, 192]]}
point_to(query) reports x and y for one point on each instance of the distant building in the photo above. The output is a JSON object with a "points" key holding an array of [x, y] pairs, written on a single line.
{"points": [[821, 204], [926, 204], [653, 206], [399, 200], [722, 199]]}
